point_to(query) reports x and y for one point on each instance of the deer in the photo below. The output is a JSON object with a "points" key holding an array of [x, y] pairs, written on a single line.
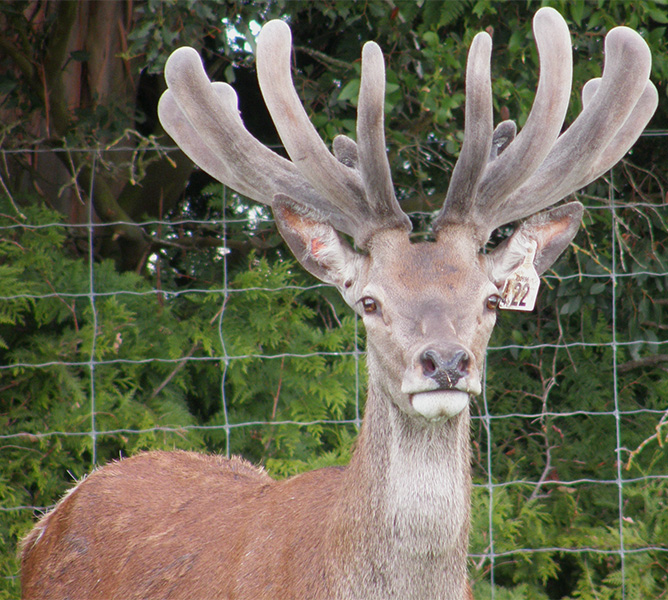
{"points": [[394, 523]]}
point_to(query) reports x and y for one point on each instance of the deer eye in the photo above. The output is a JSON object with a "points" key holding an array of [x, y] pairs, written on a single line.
{"points": [[493, 302], [369, 305]]}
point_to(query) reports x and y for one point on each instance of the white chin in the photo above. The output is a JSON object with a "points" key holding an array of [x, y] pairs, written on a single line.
{"points": [[440, 404]]}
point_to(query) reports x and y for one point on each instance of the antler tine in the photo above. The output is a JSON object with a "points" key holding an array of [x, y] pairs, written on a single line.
{"points": [[372, 153], [543, 126], [302, 142], [204, 120], [627, 134], [477, 136], [351, 193], [583, 148]]}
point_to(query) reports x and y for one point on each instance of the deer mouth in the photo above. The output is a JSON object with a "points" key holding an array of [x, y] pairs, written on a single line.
{"points": [[440, 381], [439, 405]]}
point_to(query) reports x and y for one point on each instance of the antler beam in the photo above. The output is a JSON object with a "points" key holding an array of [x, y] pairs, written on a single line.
{"points": [[355, 194]]}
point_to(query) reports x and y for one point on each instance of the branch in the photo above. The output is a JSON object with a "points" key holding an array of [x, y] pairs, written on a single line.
{"points": [[183, 361], [26, 67], [57, 54], [107, 208], [654, 325], [59, 39], [324, 58], [647, 361], [657, 436]]}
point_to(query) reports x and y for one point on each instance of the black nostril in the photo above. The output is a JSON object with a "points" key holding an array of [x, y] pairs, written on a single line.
{"points": [[429, 361], [461, 359], [445, 368]]}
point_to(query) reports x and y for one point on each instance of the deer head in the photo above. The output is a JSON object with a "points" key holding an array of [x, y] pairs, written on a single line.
{"points": [[429, 308]]}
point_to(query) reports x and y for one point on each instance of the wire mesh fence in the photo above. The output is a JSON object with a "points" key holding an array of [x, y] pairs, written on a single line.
{"points": [[592, 379]]}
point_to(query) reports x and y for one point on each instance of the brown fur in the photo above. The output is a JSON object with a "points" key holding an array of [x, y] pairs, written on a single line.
{"points": [[394, 523], [190, 526]]}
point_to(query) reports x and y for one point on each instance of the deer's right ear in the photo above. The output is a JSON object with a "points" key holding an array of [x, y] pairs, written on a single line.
{"points": [[315, 243]]}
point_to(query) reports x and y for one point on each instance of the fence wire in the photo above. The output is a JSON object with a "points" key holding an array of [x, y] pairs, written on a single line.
{"points": [[488, 554]]}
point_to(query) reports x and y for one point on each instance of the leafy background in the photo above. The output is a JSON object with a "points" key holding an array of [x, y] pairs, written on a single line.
{"points": [[144, 306]]}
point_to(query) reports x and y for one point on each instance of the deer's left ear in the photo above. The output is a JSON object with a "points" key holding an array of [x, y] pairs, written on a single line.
{"points": [[315, 243], [547, 234]]}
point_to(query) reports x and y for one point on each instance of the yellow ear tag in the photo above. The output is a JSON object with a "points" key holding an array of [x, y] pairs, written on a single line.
{"points": [[522, 285]]}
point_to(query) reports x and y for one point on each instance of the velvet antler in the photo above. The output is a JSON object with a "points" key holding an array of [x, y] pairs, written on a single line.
{"points": [[498, 178], [355, 194], [540, 167]]}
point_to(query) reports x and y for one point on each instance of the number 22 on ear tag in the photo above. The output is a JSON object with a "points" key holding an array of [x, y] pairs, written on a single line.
{"points": [[522, 285]]}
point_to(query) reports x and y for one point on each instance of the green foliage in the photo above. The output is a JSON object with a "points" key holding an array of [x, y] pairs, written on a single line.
{"points": [[163, 25], [87, 349], [283, 367]]}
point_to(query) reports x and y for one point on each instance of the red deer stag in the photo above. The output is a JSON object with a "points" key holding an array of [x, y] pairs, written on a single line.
{"points": [[394, 523]]}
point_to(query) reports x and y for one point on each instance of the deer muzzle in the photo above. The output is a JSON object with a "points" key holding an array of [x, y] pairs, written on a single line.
{"points": [[440, 380]]}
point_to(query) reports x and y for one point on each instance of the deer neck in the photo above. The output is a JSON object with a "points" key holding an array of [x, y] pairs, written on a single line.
{"points": [[405, 505]]}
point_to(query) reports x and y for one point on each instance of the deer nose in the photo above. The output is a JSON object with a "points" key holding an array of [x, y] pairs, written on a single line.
{"points": [[445, 367]]}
